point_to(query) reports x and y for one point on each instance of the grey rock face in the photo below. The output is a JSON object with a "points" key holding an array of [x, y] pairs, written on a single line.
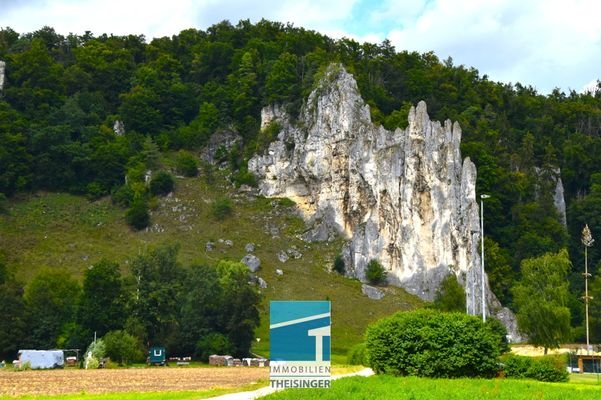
{"points": [[405, 198], [252, 262], [2, 67], [119, 128], [372, 292], [219, 143]]}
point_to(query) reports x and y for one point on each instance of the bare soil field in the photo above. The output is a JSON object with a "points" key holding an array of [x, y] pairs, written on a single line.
{"points": [[126, 380]]}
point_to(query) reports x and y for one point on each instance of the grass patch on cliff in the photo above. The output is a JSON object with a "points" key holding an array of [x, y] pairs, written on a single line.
{"points": [[63, 231]]}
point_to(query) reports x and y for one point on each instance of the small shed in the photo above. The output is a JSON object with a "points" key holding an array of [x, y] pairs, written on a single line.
{"points": [[42, 359], [157, 356]]}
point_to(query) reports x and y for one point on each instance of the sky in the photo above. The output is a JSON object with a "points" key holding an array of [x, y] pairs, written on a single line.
{"points": [[546, 44]]}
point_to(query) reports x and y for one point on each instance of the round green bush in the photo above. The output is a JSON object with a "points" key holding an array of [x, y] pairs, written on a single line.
{"points": [[162, 183], [429, 343], [546, 369], [138, 216], [375, 272]]}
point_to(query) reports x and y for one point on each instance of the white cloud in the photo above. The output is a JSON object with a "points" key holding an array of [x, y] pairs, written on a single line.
{"points": [[540, 42]]}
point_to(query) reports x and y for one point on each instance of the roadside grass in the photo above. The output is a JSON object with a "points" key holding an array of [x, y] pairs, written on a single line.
{"points": [[62, 231], [406, 388], [586, 379]]}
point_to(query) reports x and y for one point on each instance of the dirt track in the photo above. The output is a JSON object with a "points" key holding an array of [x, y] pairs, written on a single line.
{"points": [[126, 380]]}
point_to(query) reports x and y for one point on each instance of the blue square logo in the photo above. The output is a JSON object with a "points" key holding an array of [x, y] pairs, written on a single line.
{"points": [[300, 343]]}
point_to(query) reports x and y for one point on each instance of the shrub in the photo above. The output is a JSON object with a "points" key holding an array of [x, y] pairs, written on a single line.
{"points": [[222, 208], [186, 164], [123, 196], [357, 355], [517, 366], [339, 265], [546, 369], [137, 216], [162, 183], [549, 369], [122, 347], [94, 191], [433, 344], [375, 272]]}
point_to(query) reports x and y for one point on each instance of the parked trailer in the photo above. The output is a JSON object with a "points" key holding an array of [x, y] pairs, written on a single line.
{"points": [[42, 359]]}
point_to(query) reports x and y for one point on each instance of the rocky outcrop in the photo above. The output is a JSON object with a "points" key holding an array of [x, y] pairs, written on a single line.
{"points": [[405, 198], [2, 67]]}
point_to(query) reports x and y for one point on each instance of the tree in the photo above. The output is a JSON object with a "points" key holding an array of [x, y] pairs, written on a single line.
{"points": [[541, 299], [159, 279], [450, 296], [200, 308], [239, 310], [122, 347], [102, 305], [12, 309], [51, 298]]}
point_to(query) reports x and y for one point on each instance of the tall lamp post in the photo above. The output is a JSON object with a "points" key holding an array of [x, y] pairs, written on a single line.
{"points": [[587, 241], [482, 197]]}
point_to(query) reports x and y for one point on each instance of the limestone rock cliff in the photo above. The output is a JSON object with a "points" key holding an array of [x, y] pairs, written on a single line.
{"points": [[405, 198], [2, 67]]}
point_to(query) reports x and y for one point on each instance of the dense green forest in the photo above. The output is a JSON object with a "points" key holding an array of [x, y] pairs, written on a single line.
{"points": [[63, 94]]}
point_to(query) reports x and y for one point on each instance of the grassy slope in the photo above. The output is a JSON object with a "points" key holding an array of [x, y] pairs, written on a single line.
{"points": [[57, 230]]}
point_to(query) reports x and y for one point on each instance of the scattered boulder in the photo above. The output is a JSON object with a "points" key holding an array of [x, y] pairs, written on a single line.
{"points": [[252, 262], [209, 246], [249, 248], [372, 292], [279, 272], [294, 253], [228, 243], [262, 283], [282, 256]]}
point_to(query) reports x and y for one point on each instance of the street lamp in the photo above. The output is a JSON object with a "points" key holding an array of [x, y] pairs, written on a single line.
{"points": [[587, 241], [482, 197]]}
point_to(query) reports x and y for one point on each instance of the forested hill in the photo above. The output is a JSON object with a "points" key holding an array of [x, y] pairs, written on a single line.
{"points": [[62, 96]]}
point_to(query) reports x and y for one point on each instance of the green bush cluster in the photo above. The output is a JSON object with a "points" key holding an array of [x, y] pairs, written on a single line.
{"points": [[186, 164], [433, 344], [546, 369], [123, 347]]}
